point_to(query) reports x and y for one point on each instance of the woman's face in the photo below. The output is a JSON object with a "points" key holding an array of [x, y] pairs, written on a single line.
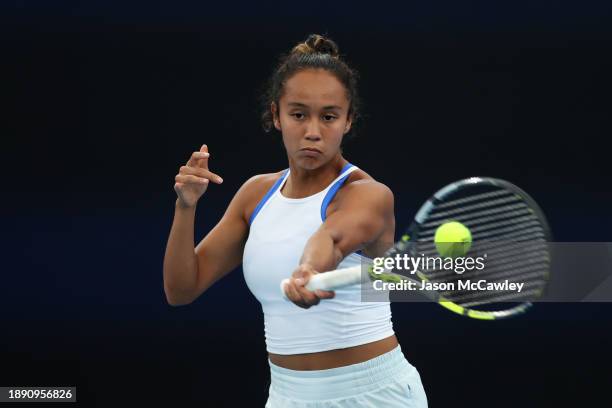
{"points": [[313, 117]]}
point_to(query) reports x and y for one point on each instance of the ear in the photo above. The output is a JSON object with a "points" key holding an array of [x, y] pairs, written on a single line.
{"points": [[349, 123], [275, 119]]}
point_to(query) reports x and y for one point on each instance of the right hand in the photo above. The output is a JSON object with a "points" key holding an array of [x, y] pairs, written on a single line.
{"points": [[193, 178], [295, 288]]}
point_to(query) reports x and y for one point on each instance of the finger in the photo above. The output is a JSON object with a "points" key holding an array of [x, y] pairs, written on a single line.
{"points": [[197, 158], [295, 296], [302, 275], [325, 294], [204, 173], [215, 178], [309, 297], [203, 161], [188, 178]]}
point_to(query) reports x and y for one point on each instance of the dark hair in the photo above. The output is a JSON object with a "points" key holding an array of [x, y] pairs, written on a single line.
{"points": [[316, 52]]}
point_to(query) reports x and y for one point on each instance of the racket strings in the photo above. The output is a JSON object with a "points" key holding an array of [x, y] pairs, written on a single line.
{"points": [[485, 217], [472, 198], [520, 236], [533, 274], [492, 246], [510, 249], [512, 210], [490, 223], [500, 267], [533, 279], [505, 230], [489, 230], [455, 212]]}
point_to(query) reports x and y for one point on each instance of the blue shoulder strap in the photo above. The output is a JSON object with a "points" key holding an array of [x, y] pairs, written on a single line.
{"points": [[331, 193], [267, 196]]}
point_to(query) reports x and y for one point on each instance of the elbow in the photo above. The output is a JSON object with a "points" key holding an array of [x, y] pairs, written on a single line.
{"points": [[176, 302], [178, 294], [175, 298]]}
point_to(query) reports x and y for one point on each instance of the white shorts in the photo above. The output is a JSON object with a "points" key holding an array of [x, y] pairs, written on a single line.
{"points": [[388, 381]]}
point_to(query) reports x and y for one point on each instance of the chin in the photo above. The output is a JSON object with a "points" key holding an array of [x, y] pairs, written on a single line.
{"points": [[309, 164]]}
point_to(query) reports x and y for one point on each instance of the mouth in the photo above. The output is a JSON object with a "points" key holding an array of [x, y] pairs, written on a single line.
{"points": [[311, 149]]}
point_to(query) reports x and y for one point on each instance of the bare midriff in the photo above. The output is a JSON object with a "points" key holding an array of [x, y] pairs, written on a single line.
{"points": [[334, 358]]}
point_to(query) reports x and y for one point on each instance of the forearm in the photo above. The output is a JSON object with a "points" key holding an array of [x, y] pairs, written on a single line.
{"points": [[322, 251], [180, 262]]}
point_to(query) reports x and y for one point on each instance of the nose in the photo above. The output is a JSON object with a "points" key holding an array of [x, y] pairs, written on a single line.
{"points": [[313, 130]]}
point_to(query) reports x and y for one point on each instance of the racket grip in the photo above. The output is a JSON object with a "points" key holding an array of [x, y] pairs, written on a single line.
{"points": [[331, 280]]}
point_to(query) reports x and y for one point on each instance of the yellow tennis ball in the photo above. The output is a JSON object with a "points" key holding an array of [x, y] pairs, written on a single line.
{"points": [[453, 239]]}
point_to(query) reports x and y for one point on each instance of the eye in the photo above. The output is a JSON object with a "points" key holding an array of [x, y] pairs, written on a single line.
{"points": [[329, 118], [298, 115]]}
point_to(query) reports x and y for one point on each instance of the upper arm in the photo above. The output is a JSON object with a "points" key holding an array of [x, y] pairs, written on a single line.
{"points": [[220, 251], [363, 217]]}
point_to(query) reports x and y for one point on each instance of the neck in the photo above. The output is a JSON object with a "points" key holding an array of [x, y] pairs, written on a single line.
{"points": [[306, 182]]}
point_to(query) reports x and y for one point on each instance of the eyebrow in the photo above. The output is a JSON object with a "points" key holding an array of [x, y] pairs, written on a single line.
{"points": [[301, 105]]}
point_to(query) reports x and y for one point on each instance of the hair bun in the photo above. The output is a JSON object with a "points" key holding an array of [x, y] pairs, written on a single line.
{"points": [[316, 43]]}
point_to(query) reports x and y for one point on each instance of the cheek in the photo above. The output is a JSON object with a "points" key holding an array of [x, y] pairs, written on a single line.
{"points": [[338, 132], [290, 137], [286, 123], [333, 141], [338, 139]]}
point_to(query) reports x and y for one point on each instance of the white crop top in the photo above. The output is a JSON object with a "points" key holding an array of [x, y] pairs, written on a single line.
{"points": [[279, 230]]}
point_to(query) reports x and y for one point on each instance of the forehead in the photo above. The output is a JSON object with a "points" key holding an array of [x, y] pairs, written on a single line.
{"points": [[314, 87]]}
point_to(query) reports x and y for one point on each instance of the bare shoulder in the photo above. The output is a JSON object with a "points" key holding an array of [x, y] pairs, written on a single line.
{"points": [[362, 184], [253, 190], [362, 189]]}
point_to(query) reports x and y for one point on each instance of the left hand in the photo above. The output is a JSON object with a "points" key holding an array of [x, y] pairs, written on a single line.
{"points": [[296, 291]]}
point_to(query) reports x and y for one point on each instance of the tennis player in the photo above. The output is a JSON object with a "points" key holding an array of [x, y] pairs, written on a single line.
{"points": [[326, 349]]}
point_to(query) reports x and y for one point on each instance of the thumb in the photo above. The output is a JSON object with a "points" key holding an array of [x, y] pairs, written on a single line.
{"points": [[302, 275]]}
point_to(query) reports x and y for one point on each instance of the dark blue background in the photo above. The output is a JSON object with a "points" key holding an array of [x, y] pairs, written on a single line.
{"points": [[106, 100]]}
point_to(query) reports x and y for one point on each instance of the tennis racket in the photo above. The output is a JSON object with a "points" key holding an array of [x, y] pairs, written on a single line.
{"points": [[508, 229]]}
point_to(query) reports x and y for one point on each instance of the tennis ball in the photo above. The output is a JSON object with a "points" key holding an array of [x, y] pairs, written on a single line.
{"points": [[453, 239]]}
